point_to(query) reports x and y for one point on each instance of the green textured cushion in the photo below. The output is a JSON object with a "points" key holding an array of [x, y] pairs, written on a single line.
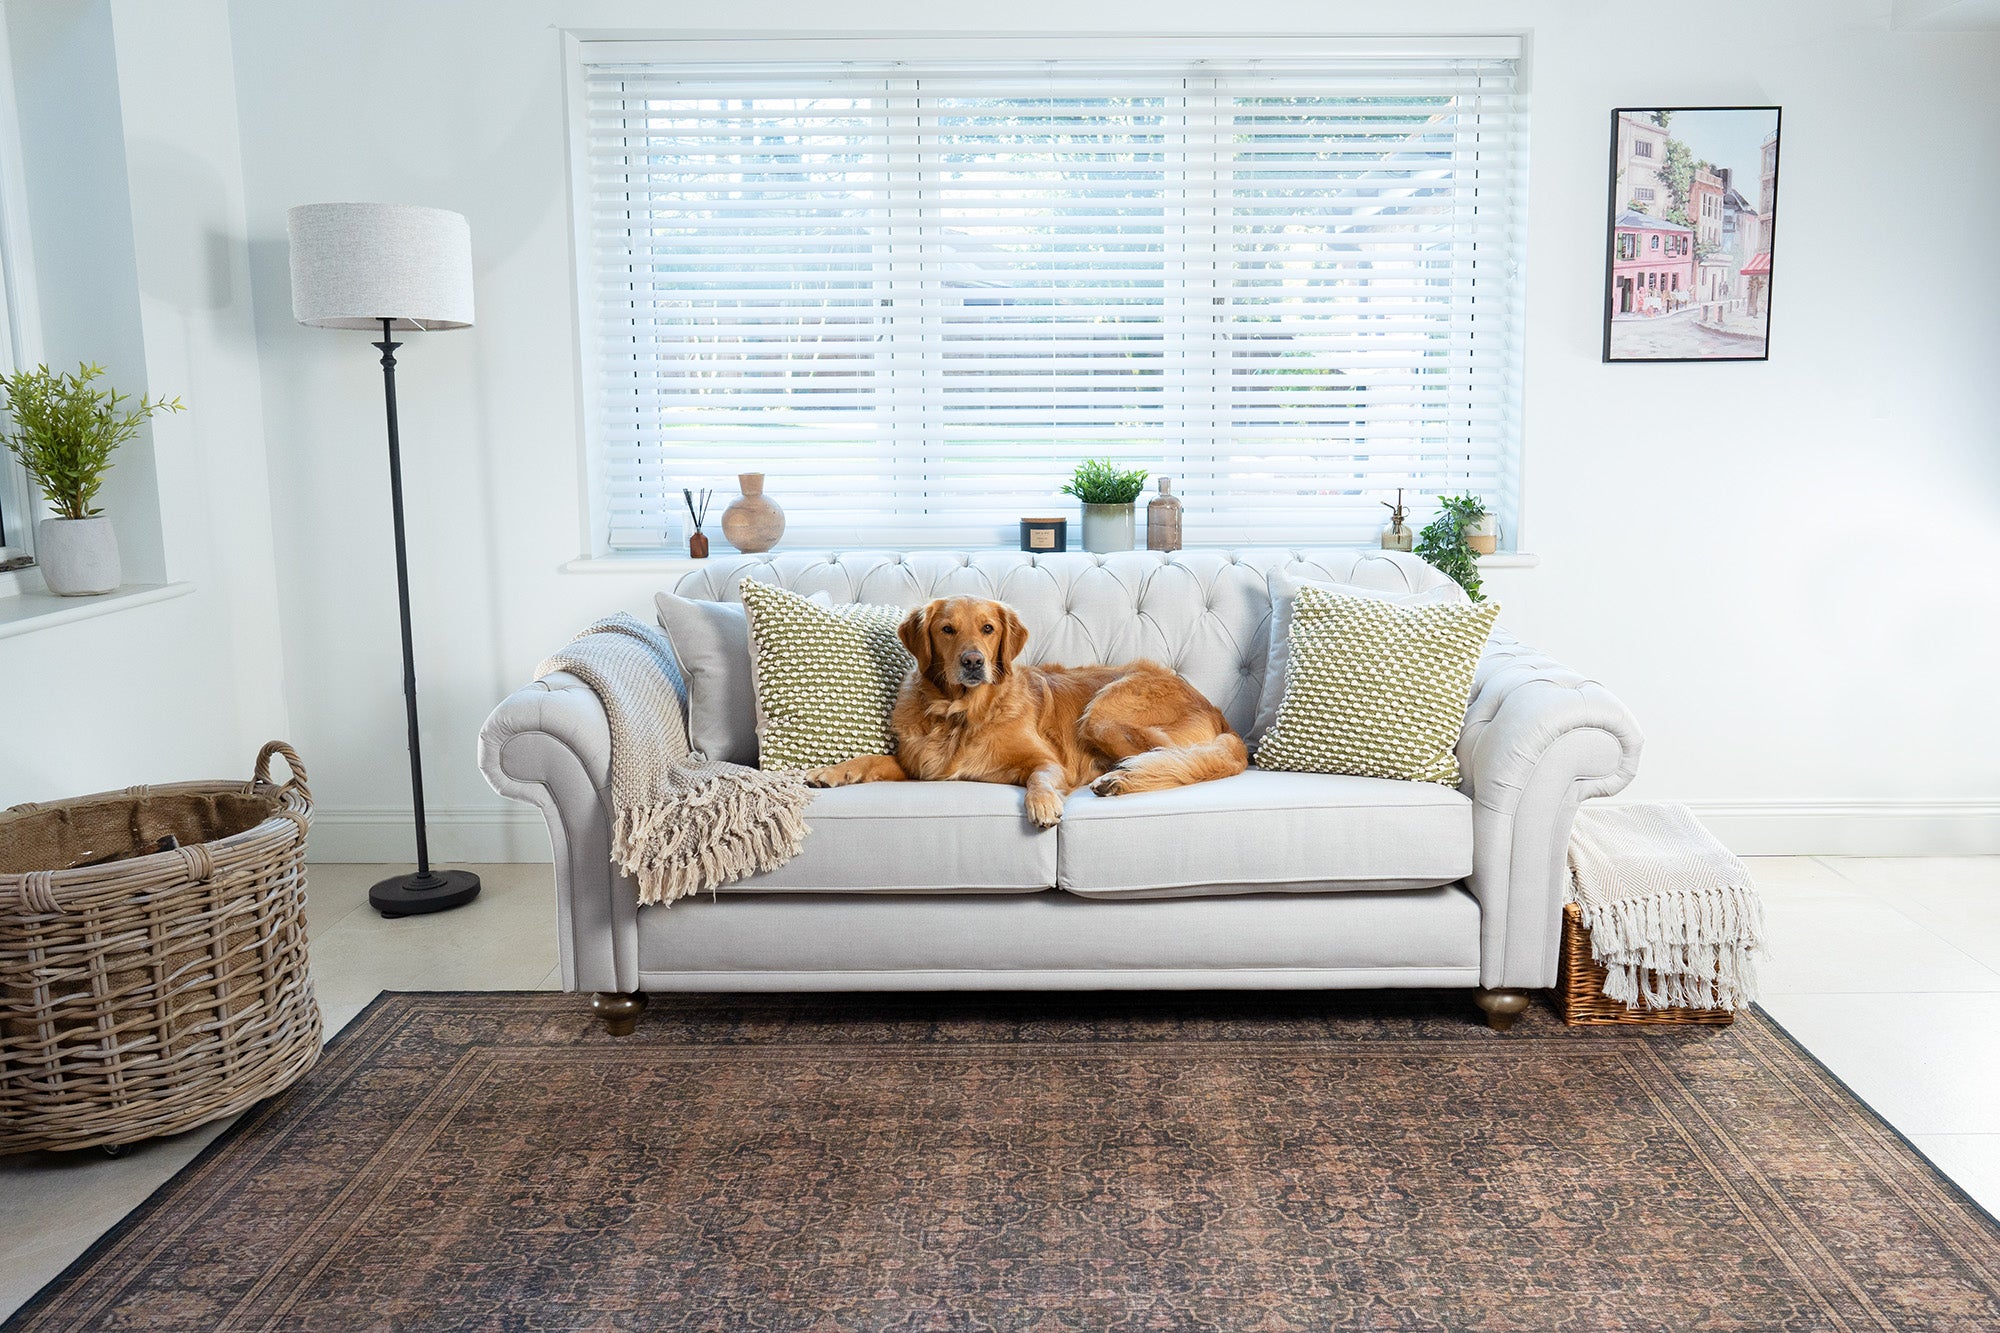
{"points": [[1376, 689], [826, 677]]}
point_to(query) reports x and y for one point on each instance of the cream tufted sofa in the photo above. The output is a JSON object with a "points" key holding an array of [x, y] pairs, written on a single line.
{"points": [[1262, 880]]}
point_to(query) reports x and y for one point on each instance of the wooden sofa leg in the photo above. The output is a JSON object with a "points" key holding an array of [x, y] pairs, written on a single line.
{"points": [[620, 1012], [1502, 1007]]}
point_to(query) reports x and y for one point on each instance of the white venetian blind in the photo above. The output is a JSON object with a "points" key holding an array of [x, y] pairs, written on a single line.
{"points": [[916, 293]]}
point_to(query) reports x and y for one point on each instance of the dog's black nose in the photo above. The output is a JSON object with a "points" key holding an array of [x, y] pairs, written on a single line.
{"points": [[972, 660]]}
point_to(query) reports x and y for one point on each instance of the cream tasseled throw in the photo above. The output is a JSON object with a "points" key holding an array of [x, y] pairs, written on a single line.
{"points": [[1673, 917], [681, 822]]}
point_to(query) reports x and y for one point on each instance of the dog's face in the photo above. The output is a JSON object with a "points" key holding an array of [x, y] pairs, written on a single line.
{"points": [[962, 643]]}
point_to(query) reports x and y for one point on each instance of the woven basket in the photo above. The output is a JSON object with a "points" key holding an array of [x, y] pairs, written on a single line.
{"points": [[146, 995], [1580, 987]]}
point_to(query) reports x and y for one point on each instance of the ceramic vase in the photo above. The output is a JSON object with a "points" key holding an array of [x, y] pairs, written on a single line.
{"points": [[1109, 528], [754, 522], [78, 556]]}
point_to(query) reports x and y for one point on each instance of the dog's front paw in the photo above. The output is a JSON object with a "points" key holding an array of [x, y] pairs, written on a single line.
{"points": [[830, 776], [1045, 808]]}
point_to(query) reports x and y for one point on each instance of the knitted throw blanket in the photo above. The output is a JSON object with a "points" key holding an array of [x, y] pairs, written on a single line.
{"points": [[1673, 917], [681, 822]]}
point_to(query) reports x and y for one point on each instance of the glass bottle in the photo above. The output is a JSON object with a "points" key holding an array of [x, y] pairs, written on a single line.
{"points": [[1163, 519]]}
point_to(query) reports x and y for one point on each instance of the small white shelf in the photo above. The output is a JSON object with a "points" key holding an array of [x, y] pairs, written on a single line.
{"points": [[26, 612]]}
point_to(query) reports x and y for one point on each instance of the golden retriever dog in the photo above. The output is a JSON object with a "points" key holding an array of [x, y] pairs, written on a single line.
{"points": [[970, 712]]}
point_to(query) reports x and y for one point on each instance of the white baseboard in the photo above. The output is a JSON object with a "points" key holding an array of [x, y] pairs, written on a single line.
{"points": [[1854, 828], [458, 834], [480, 834]]}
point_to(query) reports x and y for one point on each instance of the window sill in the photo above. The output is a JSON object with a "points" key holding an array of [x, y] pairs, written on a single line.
{"points": [[645, 563], [26, 612]]}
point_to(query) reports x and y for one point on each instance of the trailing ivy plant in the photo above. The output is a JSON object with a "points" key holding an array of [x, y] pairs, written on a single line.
{"points": [[65, 429], [1443, 542], [1099, 481]]}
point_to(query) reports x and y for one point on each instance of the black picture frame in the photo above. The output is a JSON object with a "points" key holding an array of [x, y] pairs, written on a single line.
{"points": [[1707, 320]]}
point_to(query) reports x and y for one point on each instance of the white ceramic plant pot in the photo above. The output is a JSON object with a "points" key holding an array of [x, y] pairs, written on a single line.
{"points": [[78, 556], [1483, 535], [1109, 528]]}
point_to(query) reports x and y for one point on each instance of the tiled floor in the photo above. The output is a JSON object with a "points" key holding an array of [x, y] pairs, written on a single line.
{"points": [[1887, 970]]}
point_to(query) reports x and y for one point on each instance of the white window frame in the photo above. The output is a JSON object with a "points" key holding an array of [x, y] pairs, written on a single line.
{"points": [[582, 48], [20, 323]]}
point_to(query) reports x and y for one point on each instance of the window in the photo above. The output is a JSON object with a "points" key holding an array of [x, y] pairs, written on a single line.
{"points": [[915, 284], [1628, 245], [1643, 192], [1642, 148]]}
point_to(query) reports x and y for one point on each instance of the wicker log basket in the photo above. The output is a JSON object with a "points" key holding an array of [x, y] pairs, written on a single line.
{"points": [[145, 992], [1580, 988]]}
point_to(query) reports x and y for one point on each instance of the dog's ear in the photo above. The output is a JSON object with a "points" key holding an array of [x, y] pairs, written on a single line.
{"points": [[915, 632], [1013, 638]]}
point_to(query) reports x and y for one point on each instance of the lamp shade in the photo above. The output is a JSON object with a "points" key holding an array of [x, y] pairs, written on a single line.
{"points": [[355, 265]]}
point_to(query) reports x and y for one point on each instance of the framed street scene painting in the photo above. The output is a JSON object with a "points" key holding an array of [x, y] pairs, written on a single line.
{"points": [[1694, 204]]}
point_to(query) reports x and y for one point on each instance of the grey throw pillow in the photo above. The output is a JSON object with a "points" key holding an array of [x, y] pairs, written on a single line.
{"points": [[1284, 590], [712, 644]]}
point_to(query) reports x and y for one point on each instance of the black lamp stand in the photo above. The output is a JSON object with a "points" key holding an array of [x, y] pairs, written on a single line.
{"points": [[428, 890]]}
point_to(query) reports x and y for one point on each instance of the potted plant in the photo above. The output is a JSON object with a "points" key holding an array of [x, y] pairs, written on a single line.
{"points": [[1107, 492], [65, 429], [1446, 544]]}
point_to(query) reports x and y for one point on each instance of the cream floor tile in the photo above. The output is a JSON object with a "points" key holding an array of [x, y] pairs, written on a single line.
{"points": [[1972, 1160], [335, 891], [1929, 1064], [1956, 896], [1833, 943], [1799, 878], [505, 939]]}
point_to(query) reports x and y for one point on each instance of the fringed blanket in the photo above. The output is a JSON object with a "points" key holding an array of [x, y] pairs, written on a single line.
{"points": [[681, 822], [1673, 917]]}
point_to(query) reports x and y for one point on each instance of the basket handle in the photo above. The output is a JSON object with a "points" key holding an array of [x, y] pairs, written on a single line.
{"points": [[297, 781]]}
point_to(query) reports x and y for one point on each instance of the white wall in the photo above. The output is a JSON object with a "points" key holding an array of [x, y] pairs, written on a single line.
{"points": [[1778, 565], [142, 261]]}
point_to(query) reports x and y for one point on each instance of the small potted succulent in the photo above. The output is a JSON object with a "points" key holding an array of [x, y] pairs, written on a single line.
{"points": [[64, 431], [1108, 493]]}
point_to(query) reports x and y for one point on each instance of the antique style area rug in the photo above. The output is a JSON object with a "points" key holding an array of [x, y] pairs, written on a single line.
{"points": [[1039, 1163]]}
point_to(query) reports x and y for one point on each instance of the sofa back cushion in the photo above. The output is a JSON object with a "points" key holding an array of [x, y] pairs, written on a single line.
{"points": [[1205, 613]]}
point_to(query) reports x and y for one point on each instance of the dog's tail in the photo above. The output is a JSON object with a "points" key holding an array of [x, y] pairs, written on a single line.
{"points": [[1182, 765]]}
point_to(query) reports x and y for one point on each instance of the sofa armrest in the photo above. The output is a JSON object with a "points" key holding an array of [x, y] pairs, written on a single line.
{"points": [[1539, 740], [549, 744]]}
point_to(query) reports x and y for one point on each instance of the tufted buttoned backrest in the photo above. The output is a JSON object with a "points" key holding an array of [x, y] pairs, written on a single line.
{"points": [[1204, 613]]}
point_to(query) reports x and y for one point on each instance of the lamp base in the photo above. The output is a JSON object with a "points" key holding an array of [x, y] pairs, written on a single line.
{"points": [[409, 895]]}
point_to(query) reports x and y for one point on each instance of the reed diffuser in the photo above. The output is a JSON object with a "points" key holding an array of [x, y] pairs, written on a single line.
{"points": [[697, 514]]}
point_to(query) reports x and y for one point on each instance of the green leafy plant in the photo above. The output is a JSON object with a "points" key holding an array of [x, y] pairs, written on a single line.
{"points": [[1099, 481], [66, 429], [1444, 545]]}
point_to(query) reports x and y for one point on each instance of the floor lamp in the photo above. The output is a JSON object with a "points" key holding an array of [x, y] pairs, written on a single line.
{"points": [[390, 267]]}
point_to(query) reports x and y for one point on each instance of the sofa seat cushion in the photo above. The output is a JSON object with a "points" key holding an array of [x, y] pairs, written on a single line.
{"points": [[1262, 832], [915, 837]]}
